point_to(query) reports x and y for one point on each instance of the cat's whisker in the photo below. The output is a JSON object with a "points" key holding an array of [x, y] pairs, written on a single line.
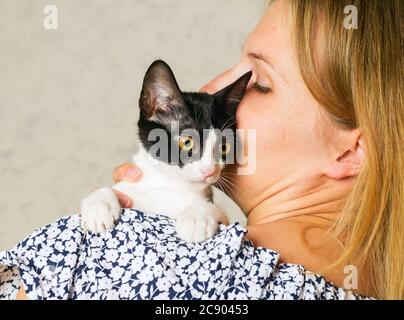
{"points": [[228, 134], [199, 115], [229, 184], [234, 100], [225, 125], [232, 184], [225, 175], [231, 189], [224, 187], [229, 173], [195, 116], [219, 185]]}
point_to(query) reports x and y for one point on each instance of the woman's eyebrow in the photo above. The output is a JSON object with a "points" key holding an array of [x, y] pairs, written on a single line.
{"points": [[259, 56]]}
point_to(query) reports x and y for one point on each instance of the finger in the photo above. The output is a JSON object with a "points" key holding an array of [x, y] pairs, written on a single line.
{"points": [[225, 78], [123, 199], [127, 172]]}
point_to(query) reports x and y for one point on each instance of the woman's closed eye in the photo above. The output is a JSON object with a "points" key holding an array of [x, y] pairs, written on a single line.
{"points": [[261, 89], [262, 83]]}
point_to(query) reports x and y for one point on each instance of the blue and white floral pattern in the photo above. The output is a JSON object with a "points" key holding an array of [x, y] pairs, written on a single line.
{"points": [[142, 258]]}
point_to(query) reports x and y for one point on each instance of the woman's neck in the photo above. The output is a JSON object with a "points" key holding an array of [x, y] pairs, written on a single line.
{"points": [[295, 223], [318, 201]]}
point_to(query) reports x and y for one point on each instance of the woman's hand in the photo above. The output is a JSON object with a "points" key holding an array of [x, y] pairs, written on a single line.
{"points": [[127, 172]]}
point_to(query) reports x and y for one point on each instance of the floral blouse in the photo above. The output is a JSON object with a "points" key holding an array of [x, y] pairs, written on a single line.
{"points": [[142, 258]]}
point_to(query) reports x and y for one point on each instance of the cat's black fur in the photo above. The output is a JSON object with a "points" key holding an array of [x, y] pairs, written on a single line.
{"points": [[162, 102]]}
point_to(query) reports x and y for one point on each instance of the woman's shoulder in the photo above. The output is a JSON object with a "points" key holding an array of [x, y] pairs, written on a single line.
{"points": [[142, 258]]}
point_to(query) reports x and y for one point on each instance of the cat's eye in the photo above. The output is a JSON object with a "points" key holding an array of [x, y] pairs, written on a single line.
{"points": [[185, 143], [224, 148]]}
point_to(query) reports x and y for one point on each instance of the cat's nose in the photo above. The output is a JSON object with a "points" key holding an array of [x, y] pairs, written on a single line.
{"points": [[208, 170]]}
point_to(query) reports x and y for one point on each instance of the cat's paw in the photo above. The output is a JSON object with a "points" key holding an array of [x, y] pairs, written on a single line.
{"points": [[194, 227], [99, 210]]}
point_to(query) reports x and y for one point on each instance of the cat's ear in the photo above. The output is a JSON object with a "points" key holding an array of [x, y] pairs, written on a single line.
{"points": [[230, 96], [160, 91]]}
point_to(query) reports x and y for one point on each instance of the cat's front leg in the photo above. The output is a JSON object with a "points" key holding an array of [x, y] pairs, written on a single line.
{"points": [[197, 224], [99, 210]]}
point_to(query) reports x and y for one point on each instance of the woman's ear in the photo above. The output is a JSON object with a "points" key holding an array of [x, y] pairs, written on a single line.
{"points": [[347, 162]]}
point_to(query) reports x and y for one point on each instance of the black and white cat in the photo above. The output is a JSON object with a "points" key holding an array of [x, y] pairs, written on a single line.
{"points": [[177, 177]]}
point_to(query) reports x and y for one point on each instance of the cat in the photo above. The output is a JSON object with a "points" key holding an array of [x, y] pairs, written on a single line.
{"points": [[177, 177]]}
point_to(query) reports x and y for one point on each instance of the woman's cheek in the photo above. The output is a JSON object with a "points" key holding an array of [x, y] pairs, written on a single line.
{"points": [[255, 118], [249, 111]]}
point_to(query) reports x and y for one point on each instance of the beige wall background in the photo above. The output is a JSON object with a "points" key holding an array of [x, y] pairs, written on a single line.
{"points": [[68, 97]]}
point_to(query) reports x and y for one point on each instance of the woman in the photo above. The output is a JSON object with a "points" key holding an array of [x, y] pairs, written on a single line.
{"points": [[328, 190]]}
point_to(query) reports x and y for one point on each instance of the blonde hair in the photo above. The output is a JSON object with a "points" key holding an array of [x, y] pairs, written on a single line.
{"points": [[357, 76]]}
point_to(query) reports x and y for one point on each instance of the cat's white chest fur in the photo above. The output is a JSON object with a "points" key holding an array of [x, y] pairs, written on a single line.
{"points": [[159, 191]]}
